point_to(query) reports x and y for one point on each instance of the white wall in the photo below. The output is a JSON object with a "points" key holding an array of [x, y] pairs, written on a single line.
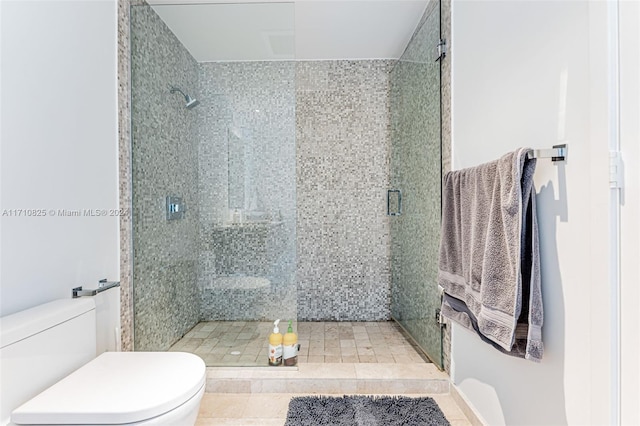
{"points": [[532, 73], [59, 148], [630, 210]]}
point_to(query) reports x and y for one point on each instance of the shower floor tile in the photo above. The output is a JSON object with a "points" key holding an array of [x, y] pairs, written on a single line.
{"points": [[245, 343]]}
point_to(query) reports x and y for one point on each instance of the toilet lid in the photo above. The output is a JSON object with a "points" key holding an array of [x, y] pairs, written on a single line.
{"points": [[117, 387]]}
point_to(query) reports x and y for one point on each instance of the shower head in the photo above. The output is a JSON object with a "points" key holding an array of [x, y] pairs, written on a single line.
{"points": [[190, 102]]}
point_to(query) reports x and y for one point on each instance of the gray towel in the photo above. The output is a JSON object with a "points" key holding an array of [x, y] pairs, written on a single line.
{"points": [[489, 259]]}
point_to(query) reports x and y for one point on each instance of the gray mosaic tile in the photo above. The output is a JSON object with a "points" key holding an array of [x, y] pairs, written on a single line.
{"points": [[247, 161], [324, 141], [124, 162], [164, 162], [342, 175], [416, 141], [445, 26]]}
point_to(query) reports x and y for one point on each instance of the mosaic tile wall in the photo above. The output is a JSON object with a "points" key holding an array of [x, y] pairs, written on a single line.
{"points": [[247, 160], [124, 164], [445, 72], [326, 222], [342, 139], [164, 156], [416, 171]]}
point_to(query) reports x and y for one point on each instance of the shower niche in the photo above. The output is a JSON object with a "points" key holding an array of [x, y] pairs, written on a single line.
{"points": [[246, 196]]}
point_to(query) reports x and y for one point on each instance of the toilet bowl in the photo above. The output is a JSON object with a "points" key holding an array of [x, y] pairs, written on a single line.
{"points": [[51, 375], [123, 388]]}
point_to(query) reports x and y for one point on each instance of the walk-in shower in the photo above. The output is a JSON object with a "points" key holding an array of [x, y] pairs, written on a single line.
{"points": [[189, 101], [231, 255], [282, 176]]}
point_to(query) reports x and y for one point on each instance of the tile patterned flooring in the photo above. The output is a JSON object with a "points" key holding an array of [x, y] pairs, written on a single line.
{"points": [[224, 409], [336, 358], [244, 343]]}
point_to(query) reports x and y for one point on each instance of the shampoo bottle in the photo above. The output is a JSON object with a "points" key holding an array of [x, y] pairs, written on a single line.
{"points": [[275, 345], [290, 347]]}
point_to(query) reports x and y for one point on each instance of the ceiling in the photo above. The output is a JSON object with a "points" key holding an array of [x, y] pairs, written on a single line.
{"points": [[301, 29]]}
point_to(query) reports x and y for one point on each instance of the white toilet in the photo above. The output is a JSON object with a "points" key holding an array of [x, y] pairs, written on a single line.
{"points": [[49, 372]]}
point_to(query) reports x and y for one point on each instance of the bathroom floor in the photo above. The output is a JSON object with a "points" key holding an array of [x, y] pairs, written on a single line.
{"points": [[244, 343], [336, 358], [271, 409]]}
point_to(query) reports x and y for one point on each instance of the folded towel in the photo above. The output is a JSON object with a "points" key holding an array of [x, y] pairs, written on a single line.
{"points": [[489, 262]]}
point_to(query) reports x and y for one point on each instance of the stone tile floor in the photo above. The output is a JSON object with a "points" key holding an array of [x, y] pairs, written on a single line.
{"points": [[244, 343], [368, 358], [262, 409]]}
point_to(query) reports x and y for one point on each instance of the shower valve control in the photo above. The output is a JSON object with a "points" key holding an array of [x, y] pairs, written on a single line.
{"points": [[175, 208]]}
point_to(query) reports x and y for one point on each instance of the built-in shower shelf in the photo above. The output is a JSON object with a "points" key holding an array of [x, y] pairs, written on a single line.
{"points": [[250, 224]]}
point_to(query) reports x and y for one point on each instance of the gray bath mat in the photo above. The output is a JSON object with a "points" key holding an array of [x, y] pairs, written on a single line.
{"points": [[364, 411]]}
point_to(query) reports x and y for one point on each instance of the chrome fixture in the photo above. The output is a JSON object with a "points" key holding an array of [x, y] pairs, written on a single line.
{"points": [[190, 102], [175, 207], [103, 285], [557, 153], [397, 204]]}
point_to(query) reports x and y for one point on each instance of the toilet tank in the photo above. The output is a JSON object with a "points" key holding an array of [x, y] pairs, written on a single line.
{"points": [[40, 346]]}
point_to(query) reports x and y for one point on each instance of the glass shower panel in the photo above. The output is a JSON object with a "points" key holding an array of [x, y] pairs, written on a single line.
{"points": [[414, 200], [227, 162], [248, 245], [164, 135]]}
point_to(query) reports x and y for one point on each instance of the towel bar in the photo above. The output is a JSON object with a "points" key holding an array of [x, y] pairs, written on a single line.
{"points": [[557, 153]]}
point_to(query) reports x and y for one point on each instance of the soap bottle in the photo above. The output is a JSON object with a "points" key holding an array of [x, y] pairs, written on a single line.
{"points": [[290, 347], [275, 345]]}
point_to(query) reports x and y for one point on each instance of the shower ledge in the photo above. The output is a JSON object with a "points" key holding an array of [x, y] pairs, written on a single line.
{"points": [[248, 224]]}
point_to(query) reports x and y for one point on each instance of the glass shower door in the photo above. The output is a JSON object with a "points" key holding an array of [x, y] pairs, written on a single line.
{"points": [[414, 196]]}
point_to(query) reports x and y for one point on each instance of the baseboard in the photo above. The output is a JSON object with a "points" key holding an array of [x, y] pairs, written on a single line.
{"points": [[472, 415]]}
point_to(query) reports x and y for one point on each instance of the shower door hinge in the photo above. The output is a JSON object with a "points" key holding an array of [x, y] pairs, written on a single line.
{"points": [[441, 49], [616, 175]]}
